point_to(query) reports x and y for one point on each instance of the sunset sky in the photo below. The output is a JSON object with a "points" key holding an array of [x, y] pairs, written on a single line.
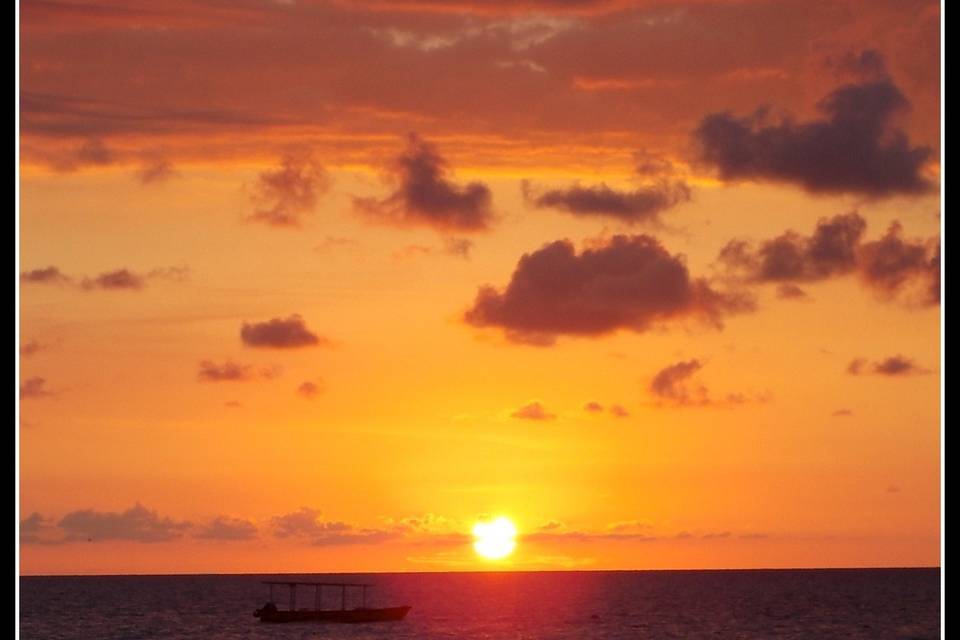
{"points": [[315, 286]]}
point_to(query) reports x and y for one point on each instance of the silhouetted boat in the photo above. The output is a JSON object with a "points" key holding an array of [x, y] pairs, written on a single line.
{"points": [[271, 613]]}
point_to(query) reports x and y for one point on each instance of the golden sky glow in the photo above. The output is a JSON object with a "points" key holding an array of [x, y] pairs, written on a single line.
{"points": [[319, 286]]}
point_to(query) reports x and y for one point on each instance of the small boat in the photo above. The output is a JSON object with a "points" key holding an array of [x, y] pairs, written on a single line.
{"points": [[271, 613]]}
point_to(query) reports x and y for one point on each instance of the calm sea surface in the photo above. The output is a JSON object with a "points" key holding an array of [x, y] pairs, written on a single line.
{"points": [[880, 603]]}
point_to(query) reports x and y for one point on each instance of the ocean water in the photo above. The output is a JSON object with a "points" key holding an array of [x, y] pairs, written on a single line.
{"points": [[859, 603]]}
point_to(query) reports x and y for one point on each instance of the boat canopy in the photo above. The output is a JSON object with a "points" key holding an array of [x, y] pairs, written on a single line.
{"points": [[293, 584]]}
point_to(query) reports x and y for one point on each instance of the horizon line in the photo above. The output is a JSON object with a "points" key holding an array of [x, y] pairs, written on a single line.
{"points": [[477, 571]]}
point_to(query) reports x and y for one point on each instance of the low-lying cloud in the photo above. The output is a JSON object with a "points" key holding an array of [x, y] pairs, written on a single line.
{"points": [[138, 524], [226, 528], [306, 524]]}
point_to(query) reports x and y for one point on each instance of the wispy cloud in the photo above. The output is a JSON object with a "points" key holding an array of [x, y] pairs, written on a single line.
{"points": [[284, 196], [35, 387], [230, 371], [533, 411]]}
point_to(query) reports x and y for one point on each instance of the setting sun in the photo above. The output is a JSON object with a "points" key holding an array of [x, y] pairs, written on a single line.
{"points": [[495, 539]]}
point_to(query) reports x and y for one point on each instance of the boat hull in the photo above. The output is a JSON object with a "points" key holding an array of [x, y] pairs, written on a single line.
{"points": [[348, 616]]}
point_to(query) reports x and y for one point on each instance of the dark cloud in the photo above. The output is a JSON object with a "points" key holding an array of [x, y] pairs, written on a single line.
{"points": [[310, 390], [896, 365], [648, 163], [137, 523], [619, 411], [426, 196], [224, 528], [35, 388], [629, 282], [155, 170], [854, 149], [642, 205], [122, 279], [457, 247], [593, 407], [856, 366], [173, 274], [790, 291], [231, 371], [533, 411], [460, 247], [864, 65], [280, 333], [496, 7], [31, 348], [282, 197], [831, 250], [115, 280], [64, 116], [842, 413], [47, 275], [891, 265], [529, 110], [94, 152], [673, 384], [118, 279], [306, 524]]}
